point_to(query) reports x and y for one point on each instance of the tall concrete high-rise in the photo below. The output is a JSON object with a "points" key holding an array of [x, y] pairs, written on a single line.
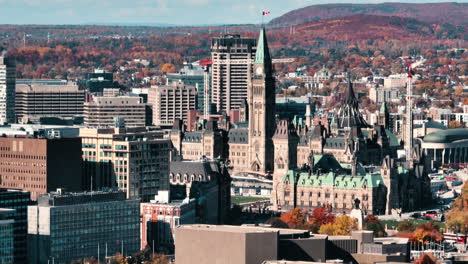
{"points": [[171, 102], [232, 58], [7, 90]]}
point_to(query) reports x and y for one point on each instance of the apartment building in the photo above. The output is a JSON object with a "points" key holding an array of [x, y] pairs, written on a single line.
{"points": [[171, 102], [34, 101], [232, 58], [112, 111], [136, 160]]}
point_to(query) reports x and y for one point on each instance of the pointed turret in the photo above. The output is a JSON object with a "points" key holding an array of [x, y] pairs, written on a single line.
{"points": [[383, 108], [348, 114], [384, 116]]}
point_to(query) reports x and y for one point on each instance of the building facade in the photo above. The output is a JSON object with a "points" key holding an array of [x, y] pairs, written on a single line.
{"points": [[18, 201], [64, 227], [7, 90], [171, 102], [7, 245], [40, 165], [232, 58], [136, 160], [36, 101], [161, 216], [118, 111], [207, 181], [192, 75]]}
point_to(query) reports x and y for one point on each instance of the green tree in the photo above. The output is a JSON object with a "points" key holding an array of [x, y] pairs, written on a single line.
{"points": [[372, 223], [406, 226]]}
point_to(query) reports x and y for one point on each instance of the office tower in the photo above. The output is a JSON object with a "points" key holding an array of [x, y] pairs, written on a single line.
{"points": [[135, 160], [7, 223], [37, 101], [17, 200], [7, 90], [39, 165], [96, 81], [64, 227], [104, 111], [171, 102], [191, 75], [232, 58]]}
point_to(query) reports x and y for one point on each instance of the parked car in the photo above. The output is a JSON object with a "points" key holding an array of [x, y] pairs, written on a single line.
{"points": [[434, 215], [415, 215]]}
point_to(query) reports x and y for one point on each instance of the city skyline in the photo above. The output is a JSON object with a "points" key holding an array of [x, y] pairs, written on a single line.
{"points": [[156, 12]]}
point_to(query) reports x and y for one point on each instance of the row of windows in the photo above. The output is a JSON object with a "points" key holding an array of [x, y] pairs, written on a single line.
{"points": [[16, 156]]}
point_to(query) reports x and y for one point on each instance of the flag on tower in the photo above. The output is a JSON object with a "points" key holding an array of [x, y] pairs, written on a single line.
{"points": [[265, 13]]}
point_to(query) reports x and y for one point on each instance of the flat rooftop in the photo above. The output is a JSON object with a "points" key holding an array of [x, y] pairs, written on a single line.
{"points": [[241, 229]]}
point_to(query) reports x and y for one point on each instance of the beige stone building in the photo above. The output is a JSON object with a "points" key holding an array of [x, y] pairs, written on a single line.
{"points": [[110, 111], [171, 102], [135, 160], [34, 101]]}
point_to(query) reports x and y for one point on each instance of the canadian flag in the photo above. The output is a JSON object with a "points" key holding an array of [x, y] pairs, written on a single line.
{"points": [[265, 13]]}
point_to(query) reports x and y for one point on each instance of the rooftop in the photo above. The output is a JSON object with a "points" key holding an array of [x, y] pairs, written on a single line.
{"points": [[242, 229], [447, 136]]}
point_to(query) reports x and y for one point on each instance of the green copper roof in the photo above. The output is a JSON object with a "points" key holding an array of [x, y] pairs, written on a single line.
{"points": [[447, 136], [383, 108], [263, 53], [392, 139], [338, 181]]}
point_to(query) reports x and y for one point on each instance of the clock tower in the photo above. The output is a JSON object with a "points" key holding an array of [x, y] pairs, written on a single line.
{"points": [[261, 99]]}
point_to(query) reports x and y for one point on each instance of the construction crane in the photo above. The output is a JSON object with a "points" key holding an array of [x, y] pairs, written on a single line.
{"points": [[409, 117]]}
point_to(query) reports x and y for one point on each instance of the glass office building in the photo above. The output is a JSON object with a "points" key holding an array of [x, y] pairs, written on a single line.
{"points": [[19, 201], [64, 227]]}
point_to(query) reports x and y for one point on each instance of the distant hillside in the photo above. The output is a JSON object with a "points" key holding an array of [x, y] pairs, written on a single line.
{"points": [[361, 27], [452, 13]]}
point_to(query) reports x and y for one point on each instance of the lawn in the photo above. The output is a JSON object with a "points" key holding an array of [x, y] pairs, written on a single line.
{"points": [[246, 199], [392, 224]]}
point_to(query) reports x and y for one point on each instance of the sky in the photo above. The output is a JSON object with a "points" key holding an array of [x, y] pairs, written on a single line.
{"points": [[175, 12]]}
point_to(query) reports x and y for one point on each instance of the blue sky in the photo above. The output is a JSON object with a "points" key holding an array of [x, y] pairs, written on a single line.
{"points": [[181, 12]]}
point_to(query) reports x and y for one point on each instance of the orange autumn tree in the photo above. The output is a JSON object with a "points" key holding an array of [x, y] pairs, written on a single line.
{"points": [[168, 68], [426, 233], [293, 218]]}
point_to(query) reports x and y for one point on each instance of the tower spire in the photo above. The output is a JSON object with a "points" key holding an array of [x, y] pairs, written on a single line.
{"points": [[262, 54]]}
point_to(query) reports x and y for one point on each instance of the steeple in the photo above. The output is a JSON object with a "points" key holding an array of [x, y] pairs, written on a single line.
{"points": [[348, 113], [350, 97], [262, 54]]}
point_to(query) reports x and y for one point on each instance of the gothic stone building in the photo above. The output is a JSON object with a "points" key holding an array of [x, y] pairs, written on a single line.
{"points": [[388, 189]]}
